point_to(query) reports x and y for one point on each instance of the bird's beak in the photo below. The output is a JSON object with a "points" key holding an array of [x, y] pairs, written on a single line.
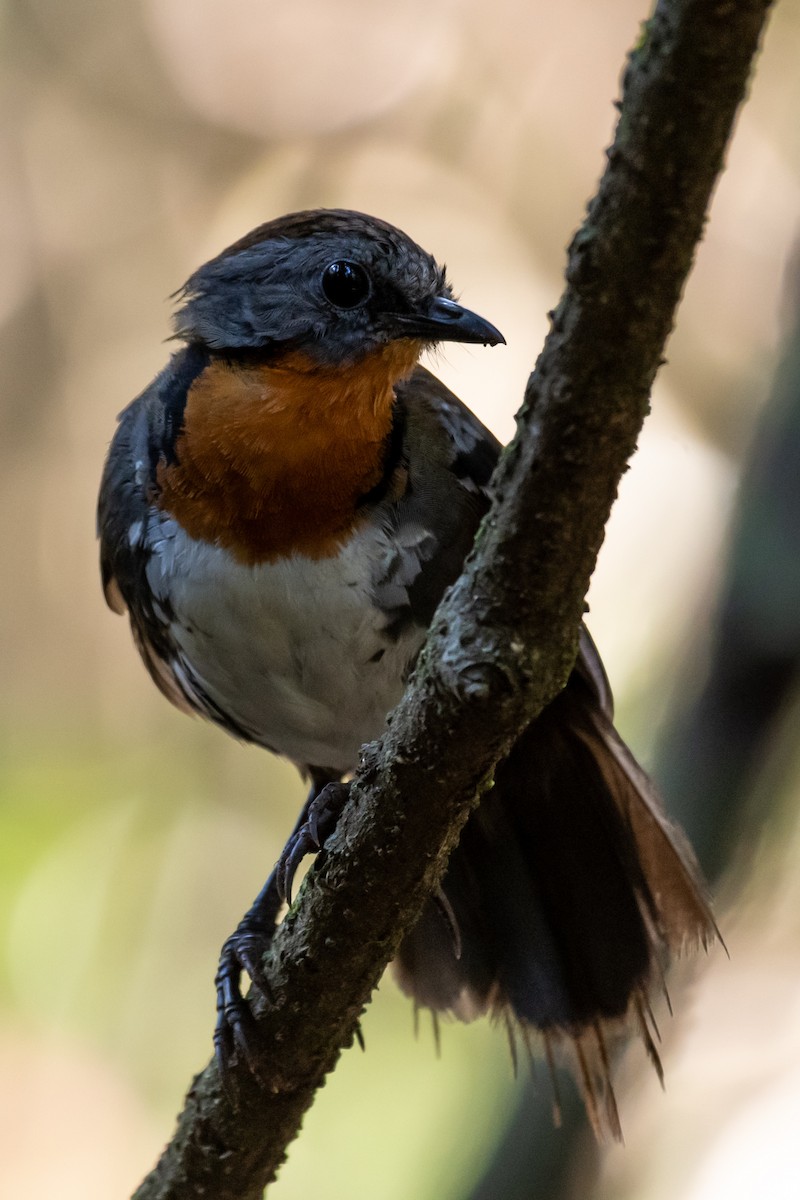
{"points": [[446, 321]]}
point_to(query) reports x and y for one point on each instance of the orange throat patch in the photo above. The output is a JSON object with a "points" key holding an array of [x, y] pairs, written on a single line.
{"points": [[272, 459]]}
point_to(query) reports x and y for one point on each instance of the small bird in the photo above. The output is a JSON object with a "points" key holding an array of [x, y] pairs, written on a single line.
{"points": [[280, 513]]}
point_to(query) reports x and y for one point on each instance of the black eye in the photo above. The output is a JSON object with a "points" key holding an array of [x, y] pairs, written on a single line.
{"points": [[345, 284]]}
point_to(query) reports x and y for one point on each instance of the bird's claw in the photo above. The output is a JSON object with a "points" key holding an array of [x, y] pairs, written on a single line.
{"points": [[321, 820], [236, 1032], [236, 1036]]}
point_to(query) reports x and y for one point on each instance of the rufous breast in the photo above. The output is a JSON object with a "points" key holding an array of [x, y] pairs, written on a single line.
{"points": [[273, 458]]}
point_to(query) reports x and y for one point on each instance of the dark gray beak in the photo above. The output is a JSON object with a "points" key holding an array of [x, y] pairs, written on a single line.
{"points": [[446, 321]]}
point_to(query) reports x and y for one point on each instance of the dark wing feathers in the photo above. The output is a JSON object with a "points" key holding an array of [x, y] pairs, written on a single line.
{"points": [[437, 517], [147, 431]]}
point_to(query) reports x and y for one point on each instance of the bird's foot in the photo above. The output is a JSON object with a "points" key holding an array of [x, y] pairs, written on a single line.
{"points": [[321, 819], [236, 1032]]}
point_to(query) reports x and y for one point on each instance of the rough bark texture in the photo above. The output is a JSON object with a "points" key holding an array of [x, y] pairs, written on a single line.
{"points": [[505, 637]]}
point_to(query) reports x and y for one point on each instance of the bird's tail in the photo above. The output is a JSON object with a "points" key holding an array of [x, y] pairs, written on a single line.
{"points": [[566, 896]]}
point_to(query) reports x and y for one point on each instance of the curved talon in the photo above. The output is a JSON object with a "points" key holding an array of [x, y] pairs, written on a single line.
{"points": [[235, 1039], [236, 1032], [229, 1004], [290, 860], [249, 953], [313, 825], [322, 816], [225, 1049]]}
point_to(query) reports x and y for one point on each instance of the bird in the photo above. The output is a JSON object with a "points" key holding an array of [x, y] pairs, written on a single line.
{"points": [[281, 511]]}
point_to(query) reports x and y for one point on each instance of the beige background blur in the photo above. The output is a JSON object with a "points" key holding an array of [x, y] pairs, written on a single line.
{"points": [[136, 140]]}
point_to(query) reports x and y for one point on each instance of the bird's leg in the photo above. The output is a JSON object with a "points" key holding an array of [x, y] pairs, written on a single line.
{"points": [[244, 950]]}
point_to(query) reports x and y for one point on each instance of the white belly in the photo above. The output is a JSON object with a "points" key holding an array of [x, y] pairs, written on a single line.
{"points": [[294, 653]]}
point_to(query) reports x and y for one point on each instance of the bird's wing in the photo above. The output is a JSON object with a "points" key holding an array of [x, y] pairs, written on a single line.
{"points": [[146, 433], [447, 457]]}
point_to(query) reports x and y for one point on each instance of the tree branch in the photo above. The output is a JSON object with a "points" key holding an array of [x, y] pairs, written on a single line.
{"points": [[504, 639]]}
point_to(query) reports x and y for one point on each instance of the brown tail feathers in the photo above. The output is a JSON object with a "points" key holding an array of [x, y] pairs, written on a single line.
{"points": [[565, 898]]}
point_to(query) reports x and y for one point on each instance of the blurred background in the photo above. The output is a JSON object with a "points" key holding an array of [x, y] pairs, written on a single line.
{"points": [[136, 140]]}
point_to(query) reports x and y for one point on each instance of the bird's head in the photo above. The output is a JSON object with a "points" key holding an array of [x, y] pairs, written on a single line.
{"points": [[332, 284]]}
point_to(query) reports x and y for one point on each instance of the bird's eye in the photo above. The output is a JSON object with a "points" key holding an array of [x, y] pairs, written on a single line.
{"points": [[345, 284]]}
